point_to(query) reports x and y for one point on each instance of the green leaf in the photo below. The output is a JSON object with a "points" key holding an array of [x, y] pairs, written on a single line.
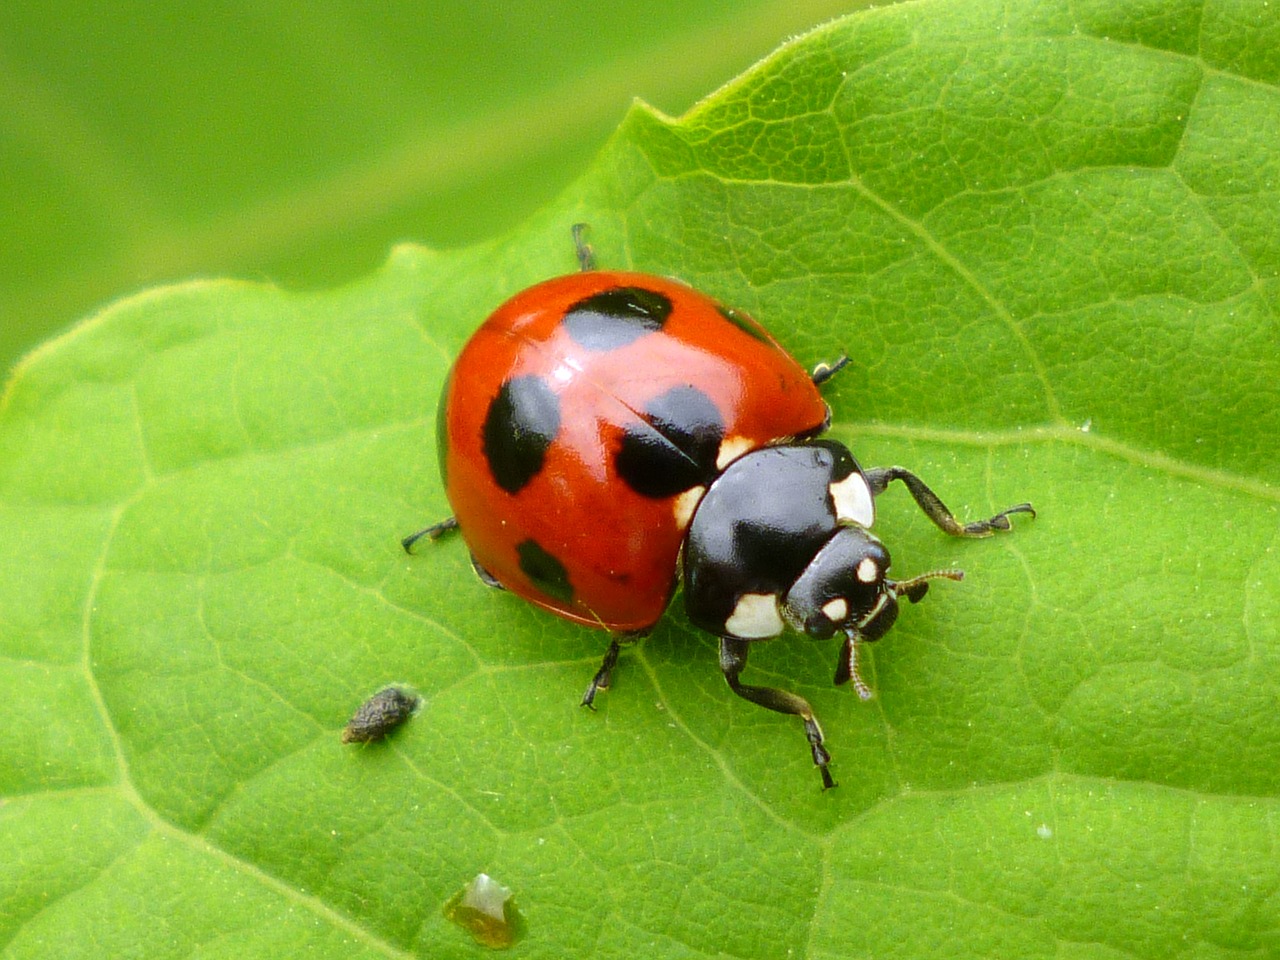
{"points": [[260, 138], [1046, 232]]}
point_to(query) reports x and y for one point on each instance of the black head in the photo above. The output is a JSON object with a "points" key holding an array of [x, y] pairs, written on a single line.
{"points": [[844, 586], [846, 589]]}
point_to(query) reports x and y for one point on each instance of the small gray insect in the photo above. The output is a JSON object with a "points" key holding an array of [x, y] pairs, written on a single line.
{"points": [[380, 714]]}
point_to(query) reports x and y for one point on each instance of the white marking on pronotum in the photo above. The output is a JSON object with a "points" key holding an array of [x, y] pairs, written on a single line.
{"points": [[755, 617], [685, 503], [852, 498], [731, 448], [867, 570], [836, 610]]}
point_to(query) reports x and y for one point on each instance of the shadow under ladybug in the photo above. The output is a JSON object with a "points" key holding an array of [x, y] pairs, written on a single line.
{"points": [[604, 430]]}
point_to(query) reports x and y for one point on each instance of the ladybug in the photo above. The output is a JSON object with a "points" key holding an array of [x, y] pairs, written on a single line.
{"points": [[606, 434]]}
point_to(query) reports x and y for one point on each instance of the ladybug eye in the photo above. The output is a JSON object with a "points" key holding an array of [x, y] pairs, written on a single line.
{"points": [[877, 621]]}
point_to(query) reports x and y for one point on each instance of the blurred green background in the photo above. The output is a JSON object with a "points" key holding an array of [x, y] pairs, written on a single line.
{"points": [[144, 142]]}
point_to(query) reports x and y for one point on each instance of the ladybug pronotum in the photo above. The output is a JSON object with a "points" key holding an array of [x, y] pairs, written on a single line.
{"points": [[606, 434]]}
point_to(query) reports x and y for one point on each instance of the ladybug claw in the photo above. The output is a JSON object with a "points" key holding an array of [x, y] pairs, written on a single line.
{"points": [[828, 369], [1000, 521], [604, 675], [1020, 508], [589, 697], [821, 756]]}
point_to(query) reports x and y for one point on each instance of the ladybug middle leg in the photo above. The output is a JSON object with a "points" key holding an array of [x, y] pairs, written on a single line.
{"points": [[733, 658], [933, 507], [604, 676]]}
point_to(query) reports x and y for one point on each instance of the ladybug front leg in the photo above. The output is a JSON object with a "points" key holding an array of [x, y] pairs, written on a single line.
{"points": [[733, 658], [933, 507]]}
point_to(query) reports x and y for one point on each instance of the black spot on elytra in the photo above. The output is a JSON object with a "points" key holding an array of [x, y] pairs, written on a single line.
{"points": [[615, 318], [547, 573], [522, 421], [675, 448], [744, 323]]}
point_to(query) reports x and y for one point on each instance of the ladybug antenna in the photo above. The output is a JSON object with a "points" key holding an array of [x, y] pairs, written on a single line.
{"points": [[917, 587]]}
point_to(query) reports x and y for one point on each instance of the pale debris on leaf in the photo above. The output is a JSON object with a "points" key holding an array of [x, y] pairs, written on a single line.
{"points": [[484, 909]]}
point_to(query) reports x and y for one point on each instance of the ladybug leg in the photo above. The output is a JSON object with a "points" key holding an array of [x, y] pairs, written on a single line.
{"points": [[433, 532], [487, 578], [604, 676], [825, 371], [733, 658], [936, 510], [586, 256]]}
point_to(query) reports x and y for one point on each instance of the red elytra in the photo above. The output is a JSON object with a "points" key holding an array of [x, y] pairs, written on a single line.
{"points": [[574, 393]]}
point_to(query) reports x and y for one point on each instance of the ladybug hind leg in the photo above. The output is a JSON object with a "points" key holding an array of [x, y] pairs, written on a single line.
{"points": [[487, 578], [733, 658], [933, 507], [586, 255], [433, 532]]}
